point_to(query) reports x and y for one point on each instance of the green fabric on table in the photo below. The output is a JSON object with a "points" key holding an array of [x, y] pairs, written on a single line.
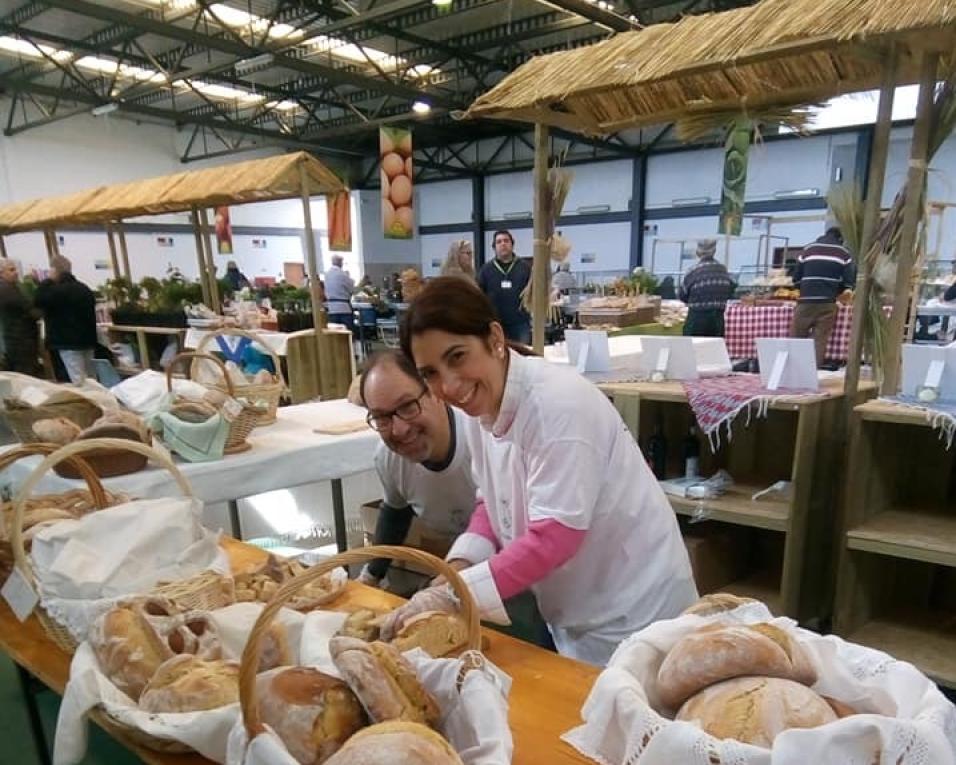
{"points": [[654, 328]]}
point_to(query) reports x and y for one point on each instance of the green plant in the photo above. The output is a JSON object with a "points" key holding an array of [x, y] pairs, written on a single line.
{"points": [[153, 289], [122, 293]]}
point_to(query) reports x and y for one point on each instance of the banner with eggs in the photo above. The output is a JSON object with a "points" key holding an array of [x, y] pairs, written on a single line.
{"points": [[395, 152]]}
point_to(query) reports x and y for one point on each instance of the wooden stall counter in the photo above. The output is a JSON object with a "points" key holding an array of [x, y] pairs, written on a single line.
{"points": [[546, 695]]}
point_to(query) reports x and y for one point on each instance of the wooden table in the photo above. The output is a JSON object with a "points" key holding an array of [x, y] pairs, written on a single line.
{"points": [[546, 694]]}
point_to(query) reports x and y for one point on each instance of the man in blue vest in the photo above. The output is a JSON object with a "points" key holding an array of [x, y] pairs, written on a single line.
{"points": [[502, 279]]}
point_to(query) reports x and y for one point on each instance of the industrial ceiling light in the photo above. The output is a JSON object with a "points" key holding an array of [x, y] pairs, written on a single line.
{"points": [[442, 3], [99, 111], [421, 107]]}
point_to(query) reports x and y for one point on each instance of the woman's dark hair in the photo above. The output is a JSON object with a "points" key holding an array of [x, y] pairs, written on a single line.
{"points": [[452, 305], [402, 361]]}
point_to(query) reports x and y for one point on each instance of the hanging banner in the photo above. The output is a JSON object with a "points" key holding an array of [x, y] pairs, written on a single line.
{"points": [[340, 221], [223, 231], [736, 150], [395, 154]]}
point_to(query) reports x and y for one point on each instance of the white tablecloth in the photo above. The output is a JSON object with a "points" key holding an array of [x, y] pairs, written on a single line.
{"points": [[285, 454]]}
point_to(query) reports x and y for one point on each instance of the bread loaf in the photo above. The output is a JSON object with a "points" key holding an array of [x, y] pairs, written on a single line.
{"points": [[128, 648], [716, 603], [384, 681], [435, 632], [56, 430], [362, 624], [755, 710], [720, 652], [189, 684], [313, 713], [275, 650], [396, 743]]}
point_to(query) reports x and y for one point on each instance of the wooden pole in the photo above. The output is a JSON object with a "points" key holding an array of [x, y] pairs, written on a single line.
{"points": [[871, 217], [915, 185], [542, 233], [201, 259], [3, 248], [326, 377], [123, 251], [210, 263], [50, 245], [114, 263]]}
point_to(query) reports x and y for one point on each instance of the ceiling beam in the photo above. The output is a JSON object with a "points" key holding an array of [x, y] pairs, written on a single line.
{"points": [[608, 19]]}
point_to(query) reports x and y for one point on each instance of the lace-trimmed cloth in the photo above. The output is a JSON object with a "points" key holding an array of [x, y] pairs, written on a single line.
{"points": [[941, 415]]}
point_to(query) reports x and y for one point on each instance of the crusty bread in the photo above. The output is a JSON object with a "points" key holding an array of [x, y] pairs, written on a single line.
{"points": [[313, 713], [396, 743], [56, 430], [384, 681], [275, 650], [716, 603], [128, 648], [435, 632], [719, 652], [362, 624], [755, 710], [188, 684], [840, 708]]}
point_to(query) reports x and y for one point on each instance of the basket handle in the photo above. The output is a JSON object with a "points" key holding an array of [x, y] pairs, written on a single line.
{"points": [[252, 336], [250, 656], [93, 483], [65, 452], [197, 355]]}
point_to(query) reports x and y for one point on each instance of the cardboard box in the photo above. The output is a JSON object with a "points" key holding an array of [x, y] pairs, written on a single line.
{"points": [[717, 557]]}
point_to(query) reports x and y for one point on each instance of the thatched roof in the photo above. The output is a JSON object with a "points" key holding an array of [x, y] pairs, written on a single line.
{"points": [[777, 52], [257, 180]]}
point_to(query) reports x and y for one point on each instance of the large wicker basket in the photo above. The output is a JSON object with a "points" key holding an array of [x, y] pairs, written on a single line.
{"points": [[242, 424], [250, 656], [270, 393], [20, 416], [201, 589]]}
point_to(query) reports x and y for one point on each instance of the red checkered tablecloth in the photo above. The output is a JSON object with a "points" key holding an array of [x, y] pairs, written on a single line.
{"points": [[743, 324]]}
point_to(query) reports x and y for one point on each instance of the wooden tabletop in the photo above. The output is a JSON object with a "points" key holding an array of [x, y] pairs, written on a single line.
{"points": [[546, 695], [887, 411]]}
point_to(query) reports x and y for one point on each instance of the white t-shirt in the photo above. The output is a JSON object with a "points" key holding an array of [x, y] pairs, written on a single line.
{"points": [[442, 499], [559, 450]]}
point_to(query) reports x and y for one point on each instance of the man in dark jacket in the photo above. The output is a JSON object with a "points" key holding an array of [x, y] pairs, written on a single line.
{"points": [[823, 271], [502, 279], [18, 319], [706, 290], [69, 312]]}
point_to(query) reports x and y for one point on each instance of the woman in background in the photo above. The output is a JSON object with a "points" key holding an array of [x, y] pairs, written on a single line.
{"points": [[460, 260]]}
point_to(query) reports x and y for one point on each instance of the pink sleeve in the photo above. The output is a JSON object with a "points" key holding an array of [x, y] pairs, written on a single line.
{"points": [[480, 525], [542, 548]]}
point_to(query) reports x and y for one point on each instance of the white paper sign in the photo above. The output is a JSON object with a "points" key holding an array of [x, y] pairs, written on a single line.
{"points": [[776, 374], [799, 364], [20, 595]]}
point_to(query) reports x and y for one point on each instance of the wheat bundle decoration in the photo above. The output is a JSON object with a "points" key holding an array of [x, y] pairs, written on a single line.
{"points": [[559, 184]]}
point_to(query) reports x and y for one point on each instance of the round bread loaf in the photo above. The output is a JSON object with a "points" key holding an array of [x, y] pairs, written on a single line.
{"points": [[719, 652], [362, 624], [396, 743], [313, 713], [755, 710], [384, 681], [56, 430], [188, 684], [436, 632], [128, 648], [716, 603]]}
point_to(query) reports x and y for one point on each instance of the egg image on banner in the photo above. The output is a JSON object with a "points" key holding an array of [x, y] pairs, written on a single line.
{"points": [[395, 159]]}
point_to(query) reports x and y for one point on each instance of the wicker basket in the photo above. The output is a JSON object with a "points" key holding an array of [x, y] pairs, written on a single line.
{"points": [[79, 501], [247, 419], [250, 656], [107, 463], [271, 393], [20, 416], [57, 632]]}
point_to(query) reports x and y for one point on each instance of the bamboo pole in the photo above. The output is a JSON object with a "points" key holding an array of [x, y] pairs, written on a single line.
{"points": [[114, 263], [915, 185], [210, 263], [326, 379], [539, 274], [871, 217], [124, 253], [201, 259]]}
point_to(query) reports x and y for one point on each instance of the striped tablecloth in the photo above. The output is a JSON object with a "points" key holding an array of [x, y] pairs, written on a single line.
{"points": [[743, 324]]}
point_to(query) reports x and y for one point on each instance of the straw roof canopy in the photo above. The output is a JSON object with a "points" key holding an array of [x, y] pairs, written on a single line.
{"points": [[777, 52], [257, 180]]}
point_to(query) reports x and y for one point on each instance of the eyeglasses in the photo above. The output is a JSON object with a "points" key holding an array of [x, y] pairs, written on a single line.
{"points": [[407, 411]]}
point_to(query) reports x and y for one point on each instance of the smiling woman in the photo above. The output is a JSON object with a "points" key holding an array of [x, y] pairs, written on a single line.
{"points": [[568, 507]]}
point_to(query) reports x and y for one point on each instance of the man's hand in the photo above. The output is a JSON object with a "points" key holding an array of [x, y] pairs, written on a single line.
{"points": [[432, 599], [459, 564]]}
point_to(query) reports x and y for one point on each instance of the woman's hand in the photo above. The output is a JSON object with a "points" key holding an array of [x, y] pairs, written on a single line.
{"points": [[459, 564], [432, 599]]}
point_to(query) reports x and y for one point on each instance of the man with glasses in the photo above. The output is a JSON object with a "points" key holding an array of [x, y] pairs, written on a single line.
{"points": [[422, 462]]}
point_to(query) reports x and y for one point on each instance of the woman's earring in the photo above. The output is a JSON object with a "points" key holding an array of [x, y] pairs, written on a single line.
{"points": [[501, 351]]}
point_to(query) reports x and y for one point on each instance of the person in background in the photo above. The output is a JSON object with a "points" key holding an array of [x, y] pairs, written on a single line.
{"points": [[69, 312], [237, 280], [567, 505], [460, 260], [422, 460], [562, 281], [824, 270], [950, 295], [18, 320], [503, 279], [338, 293], [706, 289]]}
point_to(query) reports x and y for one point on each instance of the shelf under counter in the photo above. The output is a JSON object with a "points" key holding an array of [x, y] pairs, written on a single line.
{"points": [[922, 536], [736, 506]]}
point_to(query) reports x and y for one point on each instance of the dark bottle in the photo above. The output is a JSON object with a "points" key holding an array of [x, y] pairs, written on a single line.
{"points": [[577, 323], [690, 451], [657, 452]]}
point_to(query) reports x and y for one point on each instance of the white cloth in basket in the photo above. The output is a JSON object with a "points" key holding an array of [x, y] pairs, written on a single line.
{"points": [[83, 566], [206, 732], [474, 720], [143, 392], [904, 719]]}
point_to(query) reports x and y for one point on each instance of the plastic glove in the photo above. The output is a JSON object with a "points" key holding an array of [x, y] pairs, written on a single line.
{"points": [[367, 577], [431, 599]]}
